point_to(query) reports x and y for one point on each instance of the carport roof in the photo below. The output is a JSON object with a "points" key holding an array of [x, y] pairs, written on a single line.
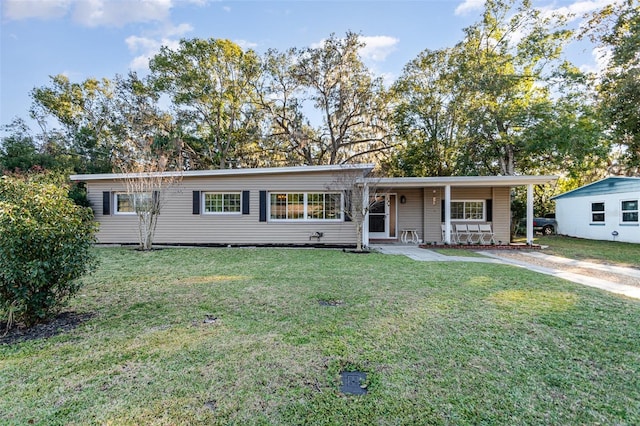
{"points": [[419, 182]]}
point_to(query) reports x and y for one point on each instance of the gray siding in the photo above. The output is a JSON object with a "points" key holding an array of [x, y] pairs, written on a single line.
{"points": [[423, 209], [410, 213], [178, 224]]}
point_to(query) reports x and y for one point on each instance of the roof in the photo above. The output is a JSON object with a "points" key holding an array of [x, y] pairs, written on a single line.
{"points": [[418, 182], [397, 182], [609, 185], [365, 168]]}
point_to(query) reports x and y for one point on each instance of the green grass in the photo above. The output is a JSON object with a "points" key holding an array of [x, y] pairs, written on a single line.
{"points": [[625, 254], [458, 252], [442, 343]]}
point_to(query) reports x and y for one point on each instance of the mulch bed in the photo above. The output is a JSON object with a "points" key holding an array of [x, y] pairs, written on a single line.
{"points": [[482, 246], [63, 322]]}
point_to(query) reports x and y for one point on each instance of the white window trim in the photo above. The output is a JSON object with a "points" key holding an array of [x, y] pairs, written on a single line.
{"points": [[484, 211], [203, 204], [604, 212], [637, 210], [115, 203], [305, 218]]}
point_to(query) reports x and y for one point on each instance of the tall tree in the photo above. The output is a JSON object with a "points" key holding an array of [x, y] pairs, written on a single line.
{"points": [[617, 28], [149, 155], [83, 112], [211, 85], [504, 63], [427, 116], [497, 100], [351, 105]]}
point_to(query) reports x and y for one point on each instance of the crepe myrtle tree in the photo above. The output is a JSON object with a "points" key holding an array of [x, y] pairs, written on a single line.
{"points": [[150, 168], [359, 195]]}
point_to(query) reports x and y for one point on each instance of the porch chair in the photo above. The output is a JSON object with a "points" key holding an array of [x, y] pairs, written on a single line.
{"points": [[452, 237], [473, 230], [487, 232], [461, 229]]}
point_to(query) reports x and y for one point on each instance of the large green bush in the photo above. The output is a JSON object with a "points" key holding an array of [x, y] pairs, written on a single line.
{"points": [[45, 246]]}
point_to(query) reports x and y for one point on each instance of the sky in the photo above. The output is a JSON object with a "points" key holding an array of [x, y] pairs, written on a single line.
{"points": [[103, 38]]}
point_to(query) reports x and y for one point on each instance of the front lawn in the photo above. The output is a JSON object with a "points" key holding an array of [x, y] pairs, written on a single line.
{"points": [[259, 336], [614, 252]]}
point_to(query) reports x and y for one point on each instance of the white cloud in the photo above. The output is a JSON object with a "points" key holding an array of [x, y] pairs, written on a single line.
{"points": [[468, 6], [91, 13], [94, 13], [244, 44], [377, 48], [16, 10], [146, 47]]}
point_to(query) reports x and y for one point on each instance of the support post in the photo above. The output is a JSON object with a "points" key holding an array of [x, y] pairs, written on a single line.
{"points": [[365, 222], [447, 214], [530, 214]]}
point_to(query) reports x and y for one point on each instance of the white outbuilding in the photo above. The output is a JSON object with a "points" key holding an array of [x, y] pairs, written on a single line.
{"points": [[603, 210]]}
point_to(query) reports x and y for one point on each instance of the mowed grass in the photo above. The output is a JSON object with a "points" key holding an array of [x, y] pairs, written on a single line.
{"points": [[441, 343], [613, 252]]}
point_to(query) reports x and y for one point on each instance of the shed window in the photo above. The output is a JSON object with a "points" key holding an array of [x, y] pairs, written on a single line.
{"points": [[629, 211], [597, 212], [468, 210]]}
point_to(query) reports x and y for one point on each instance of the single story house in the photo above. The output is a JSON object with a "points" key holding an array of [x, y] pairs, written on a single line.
{"points": [[603, 210], [307, 205]]}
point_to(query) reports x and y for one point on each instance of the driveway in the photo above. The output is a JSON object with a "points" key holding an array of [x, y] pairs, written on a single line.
{"points": [[615, 279]]}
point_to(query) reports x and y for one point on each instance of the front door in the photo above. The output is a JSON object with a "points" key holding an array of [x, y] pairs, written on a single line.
{"points": [[382, 216]]}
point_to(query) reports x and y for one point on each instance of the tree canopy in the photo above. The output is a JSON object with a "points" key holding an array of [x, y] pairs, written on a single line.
{"points": [[503, 100]]}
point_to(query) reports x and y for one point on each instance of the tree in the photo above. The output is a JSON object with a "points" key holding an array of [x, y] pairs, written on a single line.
{"points": [[352, 104], [502, 101], [211, 85], [21, 152], [617, 29], [45, 246], [359, 195], [427, 116], [83, 111], [149, 155]]}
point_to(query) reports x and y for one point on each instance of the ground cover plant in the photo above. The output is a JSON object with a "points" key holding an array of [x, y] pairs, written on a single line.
{"points": [[613, 252], [259, 336]]}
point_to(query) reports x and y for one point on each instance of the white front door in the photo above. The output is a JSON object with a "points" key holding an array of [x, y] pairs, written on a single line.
{"points": [[382, 216]]}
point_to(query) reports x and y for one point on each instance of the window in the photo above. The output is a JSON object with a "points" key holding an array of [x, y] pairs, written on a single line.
{"points": [[467, 210], [132, 203], [222, 203], [597, 212], [305, 206], [323, 206], [629, 211]]}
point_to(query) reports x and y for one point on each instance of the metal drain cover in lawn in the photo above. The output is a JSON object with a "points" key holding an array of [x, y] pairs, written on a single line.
{"points": [[352, 382], [324, 302]]}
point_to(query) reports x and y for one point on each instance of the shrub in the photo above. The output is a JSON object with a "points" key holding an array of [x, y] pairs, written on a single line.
{"points": [[45, 246]]}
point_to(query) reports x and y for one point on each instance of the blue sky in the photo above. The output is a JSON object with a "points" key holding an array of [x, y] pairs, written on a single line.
{"points": [[102, 38]]}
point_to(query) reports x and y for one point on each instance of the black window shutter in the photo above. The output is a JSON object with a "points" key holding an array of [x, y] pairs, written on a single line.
{"points": [[156, 201], [106, 203], [489, 206], [196, 202], [442, 218], [263, 206], [348, 206], [245, 202]]}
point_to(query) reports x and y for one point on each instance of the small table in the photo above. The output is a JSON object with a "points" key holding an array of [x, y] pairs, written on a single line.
{"points": [[409, 235]]}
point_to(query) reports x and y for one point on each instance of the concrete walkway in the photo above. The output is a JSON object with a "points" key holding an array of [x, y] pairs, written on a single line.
{"points": [[420, 254]]}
